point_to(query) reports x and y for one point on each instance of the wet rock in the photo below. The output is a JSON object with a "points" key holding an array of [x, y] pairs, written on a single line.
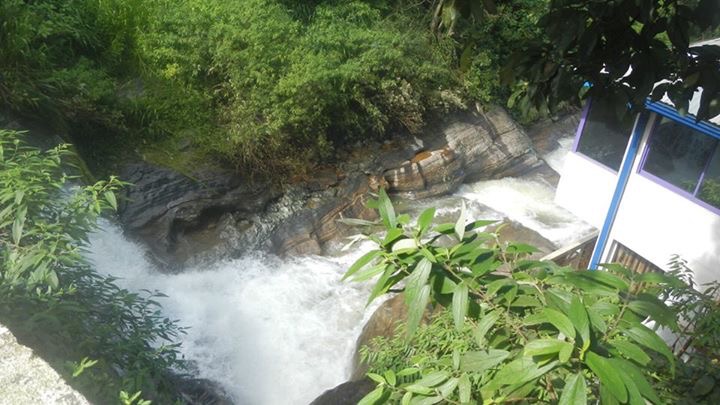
{"points": [[178, 216], [201, 391], [513, 231], [27, 379], [383, 322], [309, 229], [347, 393], [491, 144], [546, 133], [427, 174]]}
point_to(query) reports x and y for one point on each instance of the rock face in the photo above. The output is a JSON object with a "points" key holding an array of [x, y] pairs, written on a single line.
{"points": [[212, 213], [27, 379], [383, 322], [347, 393], [177, 215], [469, 146]]}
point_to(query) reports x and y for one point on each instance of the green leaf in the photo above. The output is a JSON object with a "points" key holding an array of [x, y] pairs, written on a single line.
{"points": [[368, 273], [373, 397], [560, 321], [520, 371], [539, 347], [636, 376], [405, 246], [362, 262], [19, 194], [425, 220], [18, 224], [478, 362], [383, 283], [392, 235], [52, 279], [387, 212], [418, 389], [448, 387], [460, 224], [578, 316], [110, 198], [464, 388], [601, 276], [460, 304], [574, 392], [376, 377], [406, 398], [607, 375], [483, 326], [433, 379], [655, 309], [646, 337], [417, 309], [417, 279], [631, 351], [390, 377]]}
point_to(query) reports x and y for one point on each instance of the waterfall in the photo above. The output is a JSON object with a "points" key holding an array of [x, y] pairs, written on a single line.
{"points": [[281, 331], [270, 331]]}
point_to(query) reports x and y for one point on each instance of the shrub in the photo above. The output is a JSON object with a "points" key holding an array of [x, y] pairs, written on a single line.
{"points": [[54, 300], [294, 84], [508, 329]]}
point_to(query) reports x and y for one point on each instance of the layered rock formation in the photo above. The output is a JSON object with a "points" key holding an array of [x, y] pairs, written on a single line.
{"points": [[215, 213]]}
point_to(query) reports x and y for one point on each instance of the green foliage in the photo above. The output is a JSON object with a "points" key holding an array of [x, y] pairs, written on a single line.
{"points": [[53, 300], [508, 329], [61, 58], [294, 83], [598, 42]]}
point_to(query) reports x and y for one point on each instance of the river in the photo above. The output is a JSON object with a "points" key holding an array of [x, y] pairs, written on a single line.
{"points": [[278, 331]]}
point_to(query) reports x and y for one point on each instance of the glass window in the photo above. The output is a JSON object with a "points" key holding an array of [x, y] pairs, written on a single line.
{"points": [[710, 185], [605, 136], [678, 154]]}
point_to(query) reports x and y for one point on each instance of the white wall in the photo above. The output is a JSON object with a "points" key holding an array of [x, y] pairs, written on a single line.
{"points": [[657, 222], [585, 189]]}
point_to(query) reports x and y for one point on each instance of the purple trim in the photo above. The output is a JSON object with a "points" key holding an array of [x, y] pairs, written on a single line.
{"points": [[581, 125], [665, 184]]}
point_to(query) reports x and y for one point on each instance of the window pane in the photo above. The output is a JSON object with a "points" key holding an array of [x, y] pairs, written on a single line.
{"points": [[605, 136], [710, 188], [678, 154]]}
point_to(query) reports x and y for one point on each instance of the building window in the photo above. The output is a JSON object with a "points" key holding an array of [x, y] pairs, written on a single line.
{"points": [[686, 160], [603, 135]]}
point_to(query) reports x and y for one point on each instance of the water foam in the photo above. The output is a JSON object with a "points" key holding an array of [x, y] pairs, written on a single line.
{"points": [[271, 331]]}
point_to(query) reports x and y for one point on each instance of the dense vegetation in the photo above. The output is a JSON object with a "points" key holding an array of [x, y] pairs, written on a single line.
{"points": [[104, 339], [505, 329], [264, 84]]}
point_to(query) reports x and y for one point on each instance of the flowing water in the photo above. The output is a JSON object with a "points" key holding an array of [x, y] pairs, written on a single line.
{"points": [[281, 331]]}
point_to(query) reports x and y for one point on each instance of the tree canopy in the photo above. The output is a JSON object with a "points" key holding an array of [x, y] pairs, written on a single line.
{"points": [[623, 48]]}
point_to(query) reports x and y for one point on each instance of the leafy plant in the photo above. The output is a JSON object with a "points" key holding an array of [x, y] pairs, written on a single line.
{"points": [[52, 298], [524, 330]]}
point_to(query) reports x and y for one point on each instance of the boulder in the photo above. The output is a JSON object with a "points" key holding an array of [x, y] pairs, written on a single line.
{"points": [[383, 322], [27, 379], [491, 144], [427, 174], [347, 393], [513, 231]]}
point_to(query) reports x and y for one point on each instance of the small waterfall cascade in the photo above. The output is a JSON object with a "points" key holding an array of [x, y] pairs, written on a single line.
{"points": [[278, 331]]}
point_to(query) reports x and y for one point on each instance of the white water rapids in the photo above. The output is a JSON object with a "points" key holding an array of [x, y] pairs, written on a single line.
{"points": [[281, 331]]}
